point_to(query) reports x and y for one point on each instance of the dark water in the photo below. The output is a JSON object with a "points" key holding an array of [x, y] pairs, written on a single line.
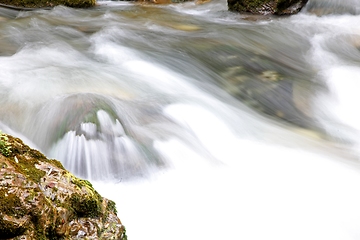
{"points": [[199, 122]]}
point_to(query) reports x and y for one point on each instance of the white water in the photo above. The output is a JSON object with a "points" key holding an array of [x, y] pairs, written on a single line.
{"points": [[138, 99], [261, 191]]}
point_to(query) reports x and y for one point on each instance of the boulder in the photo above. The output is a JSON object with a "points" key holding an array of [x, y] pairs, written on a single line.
{"points": [[29, 4], [265, 7], [39, 199]]}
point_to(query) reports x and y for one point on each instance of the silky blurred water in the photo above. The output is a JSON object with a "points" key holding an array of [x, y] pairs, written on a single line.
{"points": [[200, 123]]}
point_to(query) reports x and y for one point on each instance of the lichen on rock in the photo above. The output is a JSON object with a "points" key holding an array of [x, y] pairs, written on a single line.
{"points": [[39, 199]]}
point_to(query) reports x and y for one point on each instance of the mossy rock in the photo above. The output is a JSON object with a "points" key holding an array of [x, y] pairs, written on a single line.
{"points": [[39, 199], [49, 3], [276, 7]]}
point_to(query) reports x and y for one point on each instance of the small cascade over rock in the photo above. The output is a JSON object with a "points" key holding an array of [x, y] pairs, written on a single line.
{"points": [[95, 137]]}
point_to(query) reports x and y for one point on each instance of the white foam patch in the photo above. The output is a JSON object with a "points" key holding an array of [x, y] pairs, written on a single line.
{"points": [[344, 83], [276, 197], [260, 192]]}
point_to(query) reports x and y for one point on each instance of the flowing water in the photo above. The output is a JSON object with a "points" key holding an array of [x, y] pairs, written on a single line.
{"points": [[200, 123]]}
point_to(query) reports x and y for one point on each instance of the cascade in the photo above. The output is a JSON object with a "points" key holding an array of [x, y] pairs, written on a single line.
{"points": [[200, 123]]}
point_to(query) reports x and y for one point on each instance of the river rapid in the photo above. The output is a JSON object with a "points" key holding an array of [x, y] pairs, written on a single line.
{"points": [[200, 123]]}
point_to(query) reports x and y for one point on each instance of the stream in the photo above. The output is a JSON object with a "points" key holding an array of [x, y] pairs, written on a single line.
{"points": [[198, 122]]}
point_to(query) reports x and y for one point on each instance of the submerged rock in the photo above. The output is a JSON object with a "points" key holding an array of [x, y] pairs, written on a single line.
{"points": [[39, 199], [321, 7], [277, 7], [47, 3]]}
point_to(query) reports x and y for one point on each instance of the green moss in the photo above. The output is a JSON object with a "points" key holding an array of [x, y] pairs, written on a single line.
{"points": [[24, 159], [111, 207], [82, 183], [27, 168], [85, 185], [11, 204], [18, 147], [36, 154], [57, 163], [85, 205], [5, 148]]}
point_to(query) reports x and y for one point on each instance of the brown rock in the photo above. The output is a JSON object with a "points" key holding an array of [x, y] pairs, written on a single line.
{"points": [[39, 199], [28, 4]]}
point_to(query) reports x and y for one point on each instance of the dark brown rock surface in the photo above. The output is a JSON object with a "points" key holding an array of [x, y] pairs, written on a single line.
{"points": [[276, 7], [48, 3]]}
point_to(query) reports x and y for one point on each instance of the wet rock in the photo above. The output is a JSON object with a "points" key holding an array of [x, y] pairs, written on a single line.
{"points": [[39, 199], [269, 92], [46, 3], [276, 7]]}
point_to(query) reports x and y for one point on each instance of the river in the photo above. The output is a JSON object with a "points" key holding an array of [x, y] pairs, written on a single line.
{"points": [[200, 123]]}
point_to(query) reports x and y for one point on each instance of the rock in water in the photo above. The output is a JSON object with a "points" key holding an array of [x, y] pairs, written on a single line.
{"points": [[276, 7], [39, 199], [47, 3]]}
